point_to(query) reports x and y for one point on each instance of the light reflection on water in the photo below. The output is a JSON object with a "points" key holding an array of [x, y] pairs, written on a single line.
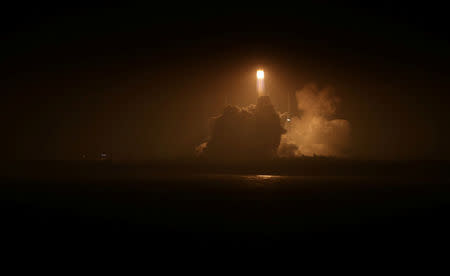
{"points": [[262, 179], [269, 180], [266, 176]]}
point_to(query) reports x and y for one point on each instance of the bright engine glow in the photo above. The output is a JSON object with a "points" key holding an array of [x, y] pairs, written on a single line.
{"points": [[260, 74], [260, 82]]}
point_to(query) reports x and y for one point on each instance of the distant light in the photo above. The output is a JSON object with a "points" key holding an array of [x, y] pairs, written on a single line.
{"points": [[288, 119], [260, 74]]}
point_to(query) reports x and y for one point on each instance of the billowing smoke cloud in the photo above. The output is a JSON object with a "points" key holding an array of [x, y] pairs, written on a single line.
{"points": [[315, 132], [247, 133], [260, 132]]}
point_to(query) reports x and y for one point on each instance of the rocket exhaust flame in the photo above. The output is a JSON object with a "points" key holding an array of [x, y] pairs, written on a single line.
{"points": [[260, 82], [260, 74]]}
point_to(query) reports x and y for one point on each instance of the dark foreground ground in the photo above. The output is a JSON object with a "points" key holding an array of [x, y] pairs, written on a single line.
{"points": [[196, 206]]}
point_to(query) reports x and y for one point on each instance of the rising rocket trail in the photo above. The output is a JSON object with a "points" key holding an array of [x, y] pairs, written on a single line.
{"points": [[260, 82]]}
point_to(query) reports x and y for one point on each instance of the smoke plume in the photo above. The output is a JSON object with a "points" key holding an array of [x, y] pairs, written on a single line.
{"points": [[259, 132], [249, 133], [314, 131]]}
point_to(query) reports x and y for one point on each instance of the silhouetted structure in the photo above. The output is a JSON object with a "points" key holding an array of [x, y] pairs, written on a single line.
{"points": [[247, 133]]}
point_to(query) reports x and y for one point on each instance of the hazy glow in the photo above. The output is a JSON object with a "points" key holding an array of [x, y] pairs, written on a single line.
{"points": [[260, 74]]}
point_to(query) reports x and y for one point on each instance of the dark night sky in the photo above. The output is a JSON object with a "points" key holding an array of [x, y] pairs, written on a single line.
{"points": [[141, 81]]}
